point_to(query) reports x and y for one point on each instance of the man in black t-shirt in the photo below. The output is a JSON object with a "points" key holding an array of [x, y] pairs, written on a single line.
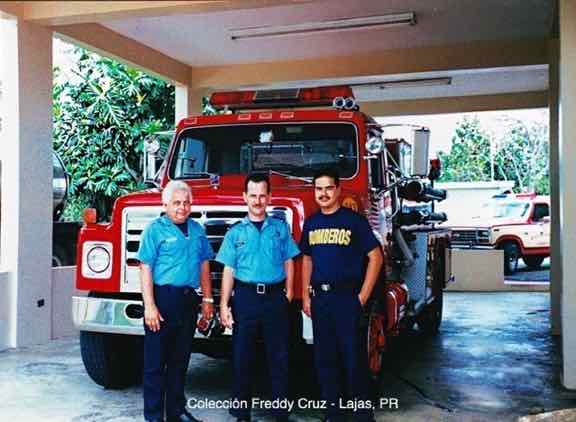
{"points": [[335, 243]]}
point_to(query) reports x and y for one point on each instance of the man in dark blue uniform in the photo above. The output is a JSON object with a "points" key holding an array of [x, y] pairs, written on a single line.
{"points": [[335, 244], [174, 254], [257, 257]]}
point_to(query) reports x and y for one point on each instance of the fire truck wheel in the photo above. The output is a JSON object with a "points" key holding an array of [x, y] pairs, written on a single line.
{"points": [[533, 261], [511, 256], [430, 318], [112, 360], [376, 339]]}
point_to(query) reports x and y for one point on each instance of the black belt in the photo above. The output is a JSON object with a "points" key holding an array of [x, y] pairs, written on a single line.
{"points": [[261, 288], [335, 286], [185, 290]]}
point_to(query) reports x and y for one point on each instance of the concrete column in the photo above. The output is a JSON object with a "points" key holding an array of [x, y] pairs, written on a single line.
{"points": [[26, 138], [567, 153], [195, 99], [554, 156], [181, 106], [189, 101]]}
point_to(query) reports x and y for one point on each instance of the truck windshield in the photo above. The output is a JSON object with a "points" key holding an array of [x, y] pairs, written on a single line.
{"points": [[293, 149], [501, 209]]}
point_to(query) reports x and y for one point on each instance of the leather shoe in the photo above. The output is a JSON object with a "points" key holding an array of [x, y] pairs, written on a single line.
{"points": [[185, 416]]}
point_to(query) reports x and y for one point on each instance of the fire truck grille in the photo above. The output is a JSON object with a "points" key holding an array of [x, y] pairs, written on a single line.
{"points": [[215, 220]]}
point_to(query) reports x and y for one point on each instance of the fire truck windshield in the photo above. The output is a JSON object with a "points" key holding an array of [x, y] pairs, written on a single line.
{"points": [[292, 149]]}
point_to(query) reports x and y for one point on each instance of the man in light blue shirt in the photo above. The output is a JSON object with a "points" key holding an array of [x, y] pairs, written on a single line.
{"points": [[173, 254], [257, 257]]}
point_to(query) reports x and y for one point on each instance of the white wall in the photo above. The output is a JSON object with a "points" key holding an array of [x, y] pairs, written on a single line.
{"points": [[63, 288], [26, 238], [6, 325]]}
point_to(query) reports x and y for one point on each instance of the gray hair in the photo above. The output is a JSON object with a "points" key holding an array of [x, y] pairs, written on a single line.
{"points": [[173, 186]]}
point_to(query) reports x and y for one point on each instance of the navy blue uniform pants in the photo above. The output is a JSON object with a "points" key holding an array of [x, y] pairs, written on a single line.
{"points": [[340, 352], [255, 314], [167, 352]]}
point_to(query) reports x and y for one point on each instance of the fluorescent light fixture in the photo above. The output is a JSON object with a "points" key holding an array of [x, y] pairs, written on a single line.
{"points": [[413, 83], [346, 24]]}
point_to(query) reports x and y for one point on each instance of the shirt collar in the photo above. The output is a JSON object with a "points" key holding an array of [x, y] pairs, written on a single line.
{"points": [[164, 219], [246, 220]]}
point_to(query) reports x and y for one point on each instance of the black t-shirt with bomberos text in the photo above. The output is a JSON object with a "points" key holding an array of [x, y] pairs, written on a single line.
{"points": [[338, 244]]}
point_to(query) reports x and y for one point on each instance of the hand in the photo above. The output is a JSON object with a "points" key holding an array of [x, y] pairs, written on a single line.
{"points": [[152, 318], [226, 316], [289, 295], [207, 311], [362, 300], [307, 306]]}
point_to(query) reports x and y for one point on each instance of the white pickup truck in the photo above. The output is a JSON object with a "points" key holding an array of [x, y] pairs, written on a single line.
{"points": [[518, 224]]}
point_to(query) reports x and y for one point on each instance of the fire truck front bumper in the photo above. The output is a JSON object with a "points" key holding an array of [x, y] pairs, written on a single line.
{"points": [[115, 316], [107, 315]]}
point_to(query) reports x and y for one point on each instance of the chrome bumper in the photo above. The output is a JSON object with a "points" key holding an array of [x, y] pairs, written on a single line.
{"points": [[105, 315], [456, 245], [110, 316]]}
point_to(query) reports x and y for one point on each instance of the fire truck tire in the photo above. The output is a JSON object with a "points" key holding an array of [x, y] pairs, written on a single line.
{"points": [[511, 257], [375, 339], [533, 261], [430, 318], [113, 361]]}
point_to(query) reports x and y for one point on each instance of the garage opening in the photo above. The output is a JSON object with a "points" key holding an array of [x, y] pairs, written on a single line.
{"points": [[495, 167]]}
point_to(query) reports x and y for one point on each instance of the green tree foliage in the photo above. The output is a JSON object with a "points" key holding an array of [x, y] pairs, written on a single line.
{"points": [[520, 154], [523, 156], [103, 111], [469, 157]]}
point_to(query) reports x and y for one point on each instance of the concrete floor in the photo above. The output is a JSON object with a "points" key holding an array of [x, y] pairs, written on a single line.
{"points": [[494, 360]]}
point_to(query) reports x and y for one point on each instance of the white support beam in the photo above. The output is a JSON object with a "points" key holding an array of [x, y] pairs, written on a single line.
{"points": [[109, 43], [475, 55], [473, 103], [567, 155], [74, 12], [554, 160], [26, 137]]}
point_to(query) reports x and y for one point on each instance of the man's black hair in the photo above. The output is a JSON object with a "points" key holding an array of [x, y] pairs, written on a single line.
{"points": [[328, 172], [257, 178]]}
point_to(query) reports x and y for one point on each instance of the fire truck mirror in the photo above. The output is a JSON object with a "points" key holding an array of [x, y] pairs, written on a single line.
{"points": [[421, 142]]}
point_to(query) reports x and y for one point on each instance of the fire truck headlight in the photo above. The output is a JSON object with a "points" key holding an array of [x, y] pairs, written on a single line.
{"points": [[375, 145], [97, 259]]}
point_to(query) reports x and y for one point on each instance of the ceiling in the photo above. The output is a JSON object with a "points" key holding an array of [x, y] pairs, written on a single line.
{"points": [[202, 39], [196, 33]]}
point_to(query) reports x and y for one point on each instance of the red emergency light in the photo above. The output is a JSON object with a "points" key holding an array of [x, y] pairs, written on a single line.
{"points": [[277, 98]]}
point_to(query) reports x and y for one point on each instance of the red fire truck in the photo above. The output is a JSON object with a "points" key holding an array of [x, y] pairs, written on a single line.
{"points": [[290, 134]]}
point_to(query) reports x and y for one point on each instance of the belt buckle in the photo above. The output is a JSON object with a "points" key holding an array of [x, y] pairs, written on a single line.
{"points": [[260, 288], [325, 287]]}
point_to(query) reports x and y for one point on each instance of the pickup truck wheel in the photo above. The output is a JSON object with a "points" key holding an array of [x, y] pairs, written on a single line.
{"points": [[430, 318], [112, 360], [533, 261], [511, 256]]}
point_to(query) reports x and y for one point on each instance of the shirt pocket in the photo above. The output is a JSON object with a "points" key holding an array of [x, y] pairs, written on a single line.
{"points": [[194, 249], [173, 245], [273, 246], [240, 245]]}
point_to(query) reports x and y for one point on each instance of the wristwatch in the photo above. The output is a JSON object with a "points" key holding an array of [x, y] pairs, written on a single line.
{"points": [[208, 300]]}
